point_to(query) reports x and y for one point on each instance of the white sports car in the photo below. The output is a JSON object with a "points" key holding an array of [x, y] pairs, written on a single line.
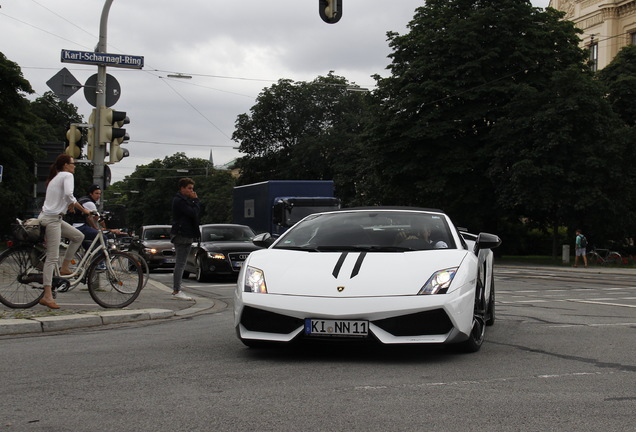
{"points": [[394, 275]]}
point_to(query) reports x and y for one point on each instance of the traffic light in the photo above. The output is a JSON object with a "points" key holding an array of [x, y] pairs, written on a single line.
{"points": [[90, 145], [330, 10], [111, 132], [111, 122], [117, 153], [73, 135]]}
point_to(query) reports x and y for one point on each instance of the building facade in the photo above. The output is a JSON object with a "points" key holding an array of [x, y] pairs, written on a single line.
{"points": [[608, 26]]}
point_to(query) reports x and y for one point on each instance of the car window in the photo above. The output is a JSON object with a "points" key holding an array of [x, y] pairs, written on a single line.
{"points": [[372, 230], [224, 233], [157, 234]]}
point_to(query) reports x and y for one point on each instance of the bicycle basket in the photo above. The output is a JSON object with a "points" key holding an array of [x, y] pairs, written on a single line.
{"points": [[28, 231]]}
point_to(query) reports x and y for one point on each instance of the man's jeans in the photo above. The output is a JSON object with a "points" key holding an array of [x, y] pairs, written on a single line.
{"points": [[181, 250]]}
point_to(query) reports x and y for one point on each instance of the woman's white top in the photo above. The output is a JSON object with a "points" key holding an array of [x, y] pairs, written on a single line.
{"points": [[59, 194]]}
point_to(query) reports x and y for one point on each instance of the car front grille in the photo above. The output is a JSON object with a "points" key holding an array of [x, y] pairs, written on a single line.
{"points": [[269, 322], [432, 322], [238, 256], [168, 252]]}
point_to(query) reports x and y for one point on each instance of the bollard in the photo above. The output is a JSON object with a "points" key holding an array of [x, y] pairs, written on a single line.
{"points": [[566, 254]]}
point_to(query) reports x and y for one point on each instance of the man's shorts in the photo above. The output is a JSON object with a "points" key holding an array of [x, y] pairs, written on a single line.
{"points": [[579, 251]]}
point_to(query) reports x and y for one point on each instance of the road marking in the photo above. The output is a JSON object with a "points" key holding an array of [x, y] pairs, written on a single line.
{"points": [[595, 325], [603, 304]]}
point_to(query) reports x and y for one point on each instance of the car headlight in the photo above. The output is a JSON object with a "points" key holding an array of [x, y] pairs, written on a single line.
{"points": [[439, 282], [254, 280], [216, 255], [151, 251]]}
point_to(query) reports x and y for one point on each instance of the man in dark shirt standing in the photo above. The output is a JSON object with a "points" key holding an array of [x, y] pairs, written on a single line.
{"points": [[186, 214]]}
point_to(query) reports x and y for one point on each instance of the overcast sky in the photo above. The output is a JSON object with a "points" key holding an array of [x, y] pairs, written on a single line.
{"points": [[232, 49]]}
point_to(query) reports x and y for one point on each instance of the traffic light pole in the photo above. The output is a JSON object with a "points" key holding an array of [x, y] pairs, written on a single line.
{"points": [[99, 148]]}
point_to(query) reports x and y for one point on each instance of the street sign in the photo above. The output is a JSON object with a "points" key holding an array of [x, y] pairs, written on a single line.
{"points": [[64, 84], [105, 59], [113, 90]]}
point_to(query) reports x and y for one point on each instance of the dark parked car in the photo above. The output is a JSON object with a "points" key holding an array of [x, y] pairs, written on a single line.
{"points": [[154, 245], [223, 249]]}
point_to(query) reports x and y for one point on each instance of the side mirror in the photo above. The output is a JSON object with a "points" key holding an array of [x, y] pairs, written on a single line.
{"points": [[487, 241], [264, 240]]}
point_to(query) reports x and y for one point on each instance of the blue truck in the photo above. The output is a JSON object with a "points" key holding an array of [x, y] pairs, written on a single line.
{"points": [[275, 205]]}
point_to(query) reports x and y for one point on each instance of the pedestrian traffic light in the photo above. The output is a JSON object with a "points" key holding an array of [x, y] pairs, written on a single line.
{"points": [[73, 135], [330, 10], [90, 145]]}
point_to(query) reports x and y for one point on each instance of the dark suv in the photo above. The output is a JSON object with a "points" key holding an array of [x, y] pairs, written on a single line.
{"points": [[154, 245]]}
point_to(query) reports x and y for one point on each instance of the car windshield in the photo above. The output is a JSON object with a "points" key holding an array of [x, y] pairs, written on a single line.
{"points": [[372, 230], [226, 233], [157, 233]]}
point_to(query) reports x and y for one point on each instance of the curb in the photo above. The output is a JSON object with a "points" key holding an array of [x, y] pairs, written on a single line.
{"points": [[16, 326]]}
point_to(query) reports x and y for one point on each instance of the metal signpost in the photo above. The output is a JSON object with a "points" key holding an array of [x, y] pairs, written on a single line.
{"points": [[96, 89]]}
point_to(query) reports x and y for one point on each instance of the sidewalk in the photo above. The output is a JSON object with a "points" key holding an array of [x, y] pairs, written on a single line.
{"points": [[79, 310]]}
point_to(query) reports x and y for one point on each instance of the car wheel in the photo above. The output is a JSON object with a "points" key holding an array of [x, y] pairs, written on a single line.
{"points": [[476, 336], [201, 276], [490, 314]]}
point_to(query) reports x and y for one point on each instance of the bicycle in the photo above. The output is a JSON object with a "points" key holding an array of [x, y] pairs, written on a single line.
{"points": [[114, 278], [142, 261], [112, 245], [604, 257]]}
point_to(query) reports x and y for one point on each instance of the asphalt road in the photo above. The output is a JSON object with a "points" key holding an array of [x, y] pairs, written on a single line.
{"points": [[559, 357]]}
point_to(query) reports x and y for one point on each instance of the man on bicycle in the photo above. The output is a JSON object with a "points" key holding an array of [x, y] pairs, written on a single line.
{"points": [[88, 224]]}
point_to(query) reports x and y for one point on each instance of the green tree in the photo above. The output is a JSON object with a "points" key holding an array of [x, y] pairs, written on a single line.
{"points": [[57, 116], [18, 144], [304, 130], [563, 159], [620, 78], [453, 76], [148, 192]]}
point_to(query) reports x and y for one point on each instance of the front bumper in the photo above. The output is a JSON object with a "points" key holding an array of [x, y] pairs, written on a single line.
{"points": [[442, 318]]}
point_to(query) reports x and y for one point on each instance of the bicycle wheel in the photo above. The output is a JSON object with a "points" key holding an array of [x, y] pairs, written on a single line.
{"points": [[594, 259], [144, 266], [117, 286], [20, 281], [614, 258]]}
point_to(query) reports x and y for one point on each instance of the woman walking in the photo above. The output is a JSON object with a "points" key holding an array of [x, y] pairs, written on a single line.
{"points": [[59, 198]]}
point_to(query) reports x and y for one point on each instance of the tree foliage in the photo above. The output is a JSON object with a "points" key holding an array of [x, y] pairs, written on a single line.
{"points": [[453, 77], [620, 78], [304, 130], [18, 143], [148, 192]]}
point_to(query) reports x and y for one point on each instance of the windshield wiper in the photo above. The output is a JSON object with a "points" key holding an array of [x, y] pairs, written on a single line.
{"points": [[364, 248], [298, 248]]}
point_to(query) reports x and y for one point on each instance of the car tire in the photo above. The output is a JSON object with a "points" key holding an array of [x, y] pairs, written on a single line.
{"points": [[476, 338], [200, 270], [478, 330], [490, 313]]}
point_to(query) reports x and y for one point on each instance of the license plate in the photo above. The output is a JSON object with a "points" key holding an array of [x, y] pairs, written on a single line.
{"points": [[325, 327], [238, 264], [169, 260]]}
